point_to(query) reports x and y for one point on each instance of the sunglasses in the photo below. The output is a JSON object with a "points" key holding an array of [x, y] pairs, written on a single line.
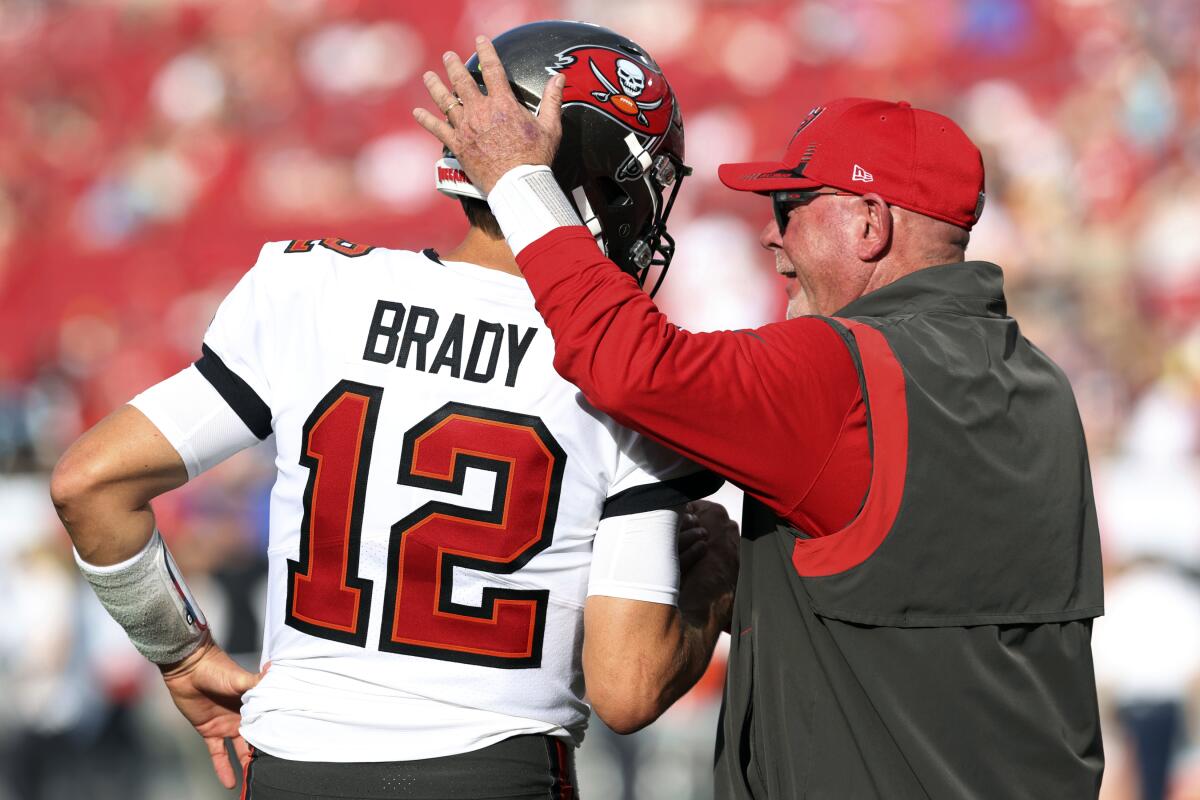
{"points": [[786, 202]]}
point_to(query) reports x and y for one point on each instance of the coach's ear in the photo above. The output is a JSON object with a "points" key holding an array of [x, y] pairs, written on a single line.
{"points": [[873, 227]]}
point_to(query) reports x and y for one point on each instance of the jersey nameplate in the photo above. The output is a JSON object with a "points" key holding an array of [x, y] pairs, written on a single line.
{"points": [[417, 338]]}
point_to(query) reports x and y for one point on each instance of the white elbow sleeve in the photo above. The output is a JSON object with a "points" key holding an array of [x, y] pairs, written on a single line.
{"points": [[195, 419], [636, 557]]}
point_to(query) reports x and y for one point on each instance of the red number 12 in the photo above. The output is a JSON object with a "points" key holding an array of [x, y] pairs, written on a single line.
{"points": [[327, 598]]}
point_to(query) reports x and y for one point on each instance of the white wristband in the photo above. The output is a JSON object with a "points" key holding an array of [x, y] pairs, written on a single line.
{"points": [[147, 597], [528, 203]]}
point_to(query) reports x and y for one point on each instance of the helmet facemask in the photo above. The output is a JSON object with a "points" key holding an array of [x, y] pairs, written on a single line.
{"points": [[657, 247]]}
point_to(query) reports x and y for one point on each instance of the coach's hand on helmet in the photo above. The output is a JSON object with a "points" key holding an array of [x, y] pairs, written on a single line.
{"points": [[491, 133]]}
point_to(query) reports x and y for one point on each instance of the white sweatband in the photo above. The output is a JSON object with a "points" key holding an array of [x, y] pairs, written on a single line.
{"points": [[636, 557], [528, 203], [195, 419], [147, 597]]}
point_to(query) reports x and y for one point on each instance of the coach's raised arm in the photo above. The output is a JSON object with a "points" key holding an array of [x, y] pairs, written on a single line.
{"points": [[920, 562]]}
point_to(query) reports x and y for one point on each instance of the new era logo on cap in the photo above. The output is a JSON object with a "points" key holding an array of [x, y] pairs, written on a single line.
{"points": [[861, 174]]}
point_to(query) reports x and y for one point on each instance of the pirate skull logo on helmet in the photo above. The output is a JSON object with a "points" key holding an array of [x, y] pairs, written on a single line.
{"points": [[632, 79]]}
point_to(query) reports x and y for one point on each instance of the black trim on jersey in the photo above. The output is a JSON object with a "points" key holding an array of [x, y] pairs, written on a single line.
{"points": [[244, 401], [494, 515], [302, 566], [432, 255], [665, 494]]}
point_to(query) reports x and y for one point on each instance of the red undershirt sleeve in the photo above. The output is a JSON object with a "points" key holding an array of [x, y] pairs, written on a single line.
{"points": [[762, 407]]}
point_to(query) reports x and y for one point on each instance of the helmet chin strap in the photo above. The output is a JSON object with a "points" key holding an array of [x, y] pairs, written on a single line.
{"points": [[588, 215], [640, 152]]}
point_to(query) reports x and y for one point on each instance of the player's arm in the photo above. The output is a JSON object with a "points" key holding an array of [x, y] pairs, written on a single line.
{"points": [[641, 655], [763, 408], [102, 489]]}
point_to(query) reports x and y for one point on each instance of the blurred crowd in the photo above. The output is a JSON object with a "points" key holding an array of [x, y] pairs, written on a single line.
{"points": [[149, 147]]}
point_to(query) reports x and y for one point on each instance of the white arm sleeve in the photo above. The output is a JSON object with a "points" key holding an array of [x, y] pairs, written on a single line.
{"points": [[195, 419], [635, 556]]}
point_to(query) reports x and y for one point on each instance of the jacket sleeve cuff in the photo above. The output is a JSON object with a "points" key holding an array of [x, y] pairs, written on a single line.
{"points": [[528, 204], [545, 262]]}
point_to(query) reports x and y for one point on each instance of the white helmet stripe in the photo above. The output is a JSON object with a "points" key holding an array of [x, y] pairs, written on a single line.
{"points": [[450, 179], [589, 216], [640, 152]]}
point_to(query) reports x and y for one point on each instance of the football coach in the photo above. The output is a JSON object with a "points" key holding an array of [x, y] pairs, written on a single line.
{"points": [[920, 563]]}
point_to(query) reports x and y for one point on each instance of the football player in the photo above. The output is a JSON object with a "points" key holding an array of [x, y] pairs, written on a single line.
{"points": [[449, 515]]}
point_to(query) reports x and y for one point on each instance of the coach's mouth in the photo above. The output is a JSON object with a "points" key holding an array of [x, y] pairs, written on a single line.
{"points": [[787, 271], [784, 266]]}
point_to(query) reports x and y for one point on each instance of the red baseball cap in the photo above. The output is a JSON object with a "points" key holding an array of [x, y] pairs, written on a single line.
{"points": [[912, 158]]}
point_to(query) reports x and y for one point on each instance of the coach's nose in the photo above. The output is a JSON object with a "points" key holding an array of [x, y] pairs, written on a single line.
{"points": [[769, 238]]}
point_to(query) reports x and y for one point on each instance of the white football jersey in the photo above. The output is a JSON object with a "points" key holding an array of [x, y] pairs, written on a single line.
{"points": [[439, 489]]}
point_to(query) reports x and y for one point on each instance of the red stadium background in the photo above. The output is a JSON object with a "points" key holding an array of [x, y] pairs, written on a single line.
{"points": [[148, 148]]}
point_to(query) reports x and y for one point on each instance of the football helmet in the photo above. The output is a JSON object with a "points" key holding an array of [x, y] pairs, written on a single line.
{"points": [[622, 143]]}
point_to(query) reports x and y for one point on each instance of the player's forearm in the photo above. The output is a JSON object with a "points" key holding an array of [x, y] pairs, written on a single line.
{"points": [[102, 489], [103, 531], [680, 659], [697, 640], [103, 484], [637, 666]]}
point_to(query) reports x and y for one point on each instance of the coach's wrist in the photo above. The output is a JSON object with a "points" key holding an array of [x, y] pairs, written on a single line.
{"points": [[528, 203]]}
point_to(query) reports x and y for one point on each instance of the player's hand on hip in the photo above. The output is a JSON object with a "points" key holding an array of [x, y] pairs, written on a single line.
{"points": [[207, 688], [708, 561], [490, 133]]}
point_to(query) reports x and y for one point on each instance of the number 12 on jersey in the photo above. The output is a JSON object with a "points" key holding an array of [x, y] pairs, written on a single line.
{"points": [[326, 597]]}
